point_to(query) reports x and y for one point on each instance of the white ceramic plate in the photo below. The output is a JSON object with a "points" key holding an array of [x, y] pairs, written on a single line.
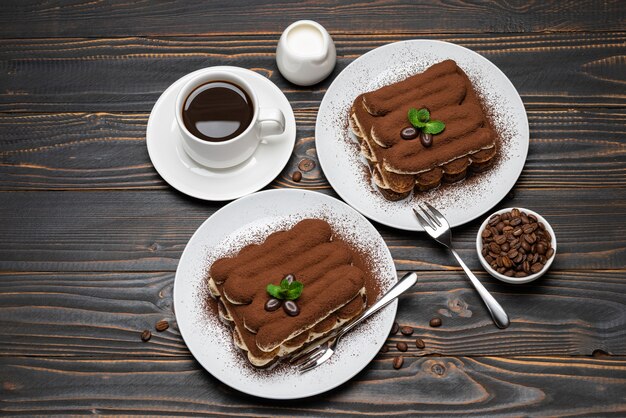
{"points": [[461, 202], [189, 177], [232, 227]]}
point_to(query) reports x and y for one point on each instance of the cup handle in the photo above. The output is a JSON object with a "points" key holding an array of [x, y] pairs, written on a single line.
{"points": [[271, 122]]}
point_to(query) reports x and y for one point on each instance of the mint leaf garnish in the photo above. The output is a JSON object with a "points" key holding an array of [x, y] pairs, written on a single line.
{"points": [[420, 119], [275, 291], [295, 290], [434, 127], [286, 290]]}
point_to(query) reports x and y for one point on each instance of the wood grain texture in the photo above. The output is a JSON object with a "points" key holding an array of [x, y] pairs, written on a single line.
{"points": [[128, 74], [76, 18], [108, 231], [103, 314], [105, 151], [477, 386]]}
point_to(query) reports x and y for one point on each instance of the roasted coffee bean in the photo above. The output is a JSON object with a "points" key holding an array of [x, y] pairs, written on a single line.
{"points": [[272, 304], [520, 274], [146, 335], [525, 245], [384, 348], [536, 268], [409, 133], [509, 273], [524, 218], [494, 247], [499, 262], [494, 265], [507, 223], [401, 346], [506, 262], [486, 233], [493, 221], [540, 248], [516, 221], [505, 216], [290, 278], [398, 362], [426, 139], [528, 229], [532, 218], [419, 343], [512, 254], [296, 176], [507, 228], [526, 266], [395, 328], [484, 252], [549, 253], [306, 165], [515, 213], [505, 247], [488, 258], [435, 322], [406, 330], [501, 270], [535, 259], [518, 231], [500, 239], [500, 226], [162, 325], [492, 254], [519, 258], [291, 308]]}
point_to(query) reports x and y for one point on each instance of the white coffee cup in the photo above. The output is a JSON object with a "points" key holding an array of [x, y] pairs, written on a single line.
{"points": [[265, 123]]}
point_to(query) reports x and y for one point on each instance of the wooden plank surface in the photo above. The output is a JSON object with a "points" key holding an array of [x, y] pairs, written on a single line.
{"points": [[105, 151], [477, 386], [119, 18], [90, 235], [129, 74], [112, 230], [102, 314]]}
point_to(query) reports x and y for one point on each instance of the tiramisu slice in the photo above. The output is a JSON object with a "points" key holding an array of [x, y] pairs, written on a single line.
{"points": [[296, 286], [401, 157]]}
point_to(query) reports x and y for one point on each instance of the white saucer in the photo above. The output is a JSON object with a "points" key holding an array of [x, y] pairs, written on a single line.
{"points": [[189, 177]]}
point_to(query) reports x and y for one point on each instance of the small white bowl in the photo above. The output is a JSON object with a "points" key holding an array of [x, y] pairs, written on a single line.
{"points": [[502, 277]]}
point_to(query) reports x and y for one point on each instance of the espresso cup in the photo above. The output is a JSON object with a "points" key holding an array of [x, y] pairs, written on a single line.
{"points": [[265, 123]]}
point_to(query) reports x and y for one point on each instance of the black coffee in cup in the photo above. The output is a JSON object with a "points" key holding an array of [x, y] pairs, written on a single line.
{"points": [[217, 111]]}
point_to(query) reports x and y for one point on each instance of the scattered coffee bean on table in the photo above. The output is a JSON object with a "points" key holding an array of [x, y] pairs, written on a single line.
{"points": [[419, 343], [306, 165], [516, 244], [395, 328], [146, 335], [162, 326], [406, 330], [398, 362], [296, 176], [435, 322], [384, 348], [401, 346]]}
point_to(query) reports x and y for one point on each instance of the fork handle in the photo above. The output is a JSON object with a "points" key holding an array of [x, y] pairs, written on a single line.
{"points": [[404, 284], [498, 314]]}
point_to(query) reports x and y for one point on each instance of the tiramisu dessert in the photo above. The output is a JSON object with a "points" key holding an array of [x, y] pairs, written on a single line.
{"points": [[293, 288], [425, 129]]}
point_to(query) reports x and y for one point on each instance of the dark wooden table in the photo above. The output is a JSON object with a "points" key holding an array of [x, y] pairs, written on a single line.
{"points": [[90, 235]]}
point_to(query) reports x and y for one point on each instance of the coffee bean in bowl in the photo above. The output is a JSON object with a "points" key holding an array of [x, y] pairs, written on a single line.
{"points": [[516, 245]]}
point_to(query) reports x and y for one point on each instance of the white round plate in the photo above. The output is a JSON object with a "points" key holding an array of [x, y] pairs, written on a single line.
{"points": [[189, 177], [236, 225], [461, 202]]}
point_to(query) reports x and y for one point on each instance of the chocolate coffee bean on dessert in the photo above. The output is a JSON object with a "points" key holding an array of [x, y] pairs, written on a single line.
{"points": [[426, 139], [272, 304], [409, 133], [516, 244], [291, 308]]}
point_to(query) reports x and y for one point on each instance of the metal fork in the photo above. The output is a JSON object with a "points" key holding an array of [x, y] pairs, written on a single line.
{"points": [[318, 354], [436, 225]]}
